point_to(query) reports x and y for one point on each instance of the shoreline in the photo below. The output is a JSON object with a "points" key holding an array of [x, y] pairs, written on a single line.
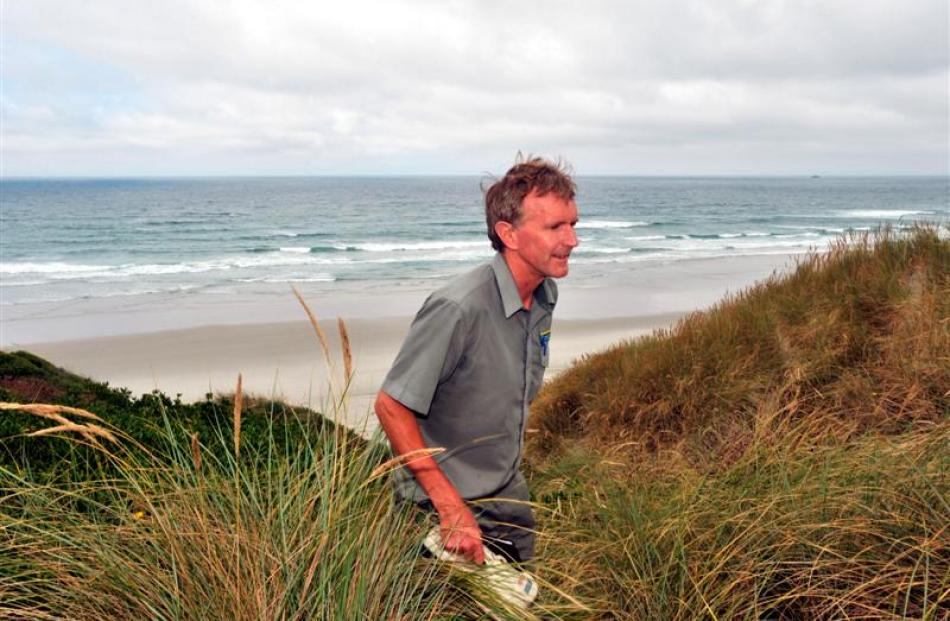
{"points": [[614, 290]]}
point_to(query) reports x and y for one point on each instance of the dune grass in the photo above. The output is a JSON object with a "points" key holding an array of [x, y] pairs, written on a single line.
{"points": [[855, 531], [785, 455], [858, 334], [184, 534], [303, 526]]}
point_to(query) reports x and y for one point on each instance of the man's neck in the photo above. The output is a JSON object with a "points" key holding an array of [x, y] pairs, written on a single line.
{"points": [[525, 277]]}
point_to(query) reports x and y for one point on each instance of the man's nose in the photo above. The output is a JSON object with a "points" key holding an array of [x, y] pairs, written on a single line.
{"points": [[571, 240]]}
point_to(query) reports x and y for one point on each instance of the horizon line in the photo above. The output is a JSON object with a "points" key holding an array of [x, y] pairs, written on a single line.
{"points": [[736, 175]]}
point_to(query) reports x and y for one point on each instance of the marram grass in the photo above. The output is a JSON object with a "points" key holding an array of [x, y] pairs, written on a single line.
{"points": [[784, 455], [856, 339], [187, 535], [855, 531], [213, 528]]}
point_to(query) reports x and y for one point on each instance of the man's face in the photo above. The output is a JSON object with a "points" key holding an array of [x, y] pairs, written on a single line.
{"points": [[545, 237]]}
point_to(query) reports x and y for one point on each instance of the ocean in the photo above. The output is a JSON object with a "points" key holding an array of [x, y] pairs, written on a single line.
{"points": [[63, 240]]}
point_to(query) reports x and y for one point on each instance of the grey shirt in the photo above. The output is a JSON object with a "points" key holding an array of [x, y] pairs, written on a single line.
{"points": [[470, 366]]}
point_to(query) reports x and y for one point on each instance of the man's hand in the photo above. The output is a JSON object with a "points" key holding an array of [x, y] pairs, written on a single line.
{"points": [[460, 532]]}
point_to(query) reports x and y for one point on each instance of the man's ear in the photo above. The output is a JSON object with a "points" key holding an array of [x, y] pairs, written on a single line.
{"points": [[506, 232]]}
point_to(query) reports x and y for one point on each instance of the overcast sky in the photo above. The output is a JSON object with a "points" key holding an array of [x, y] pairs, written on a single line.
{"points": [[216, 87]]}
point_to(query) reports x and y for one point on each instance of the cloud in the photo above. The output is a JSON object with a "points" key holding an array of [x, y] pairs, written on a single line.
{"points": [[687, 87]]}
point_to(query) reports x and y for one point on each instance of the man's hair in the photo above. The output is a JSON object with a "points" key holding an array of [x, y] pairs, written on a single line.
{"points": [[505, 197]]}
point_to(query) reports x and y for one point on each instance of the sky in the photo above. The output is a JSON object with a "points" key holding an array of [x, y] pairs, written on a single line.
{"points": [[111, 88]]}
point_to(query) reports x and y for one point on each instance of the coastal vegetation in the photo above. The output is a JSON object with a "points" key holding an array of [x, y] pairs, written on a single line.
{"points": [[232, 508], [782, 455], [785, 454]]}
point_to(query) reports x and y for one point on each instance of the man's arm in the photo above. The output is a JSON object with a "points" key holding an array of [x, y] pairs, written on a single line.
{"points": [[460, 532]]}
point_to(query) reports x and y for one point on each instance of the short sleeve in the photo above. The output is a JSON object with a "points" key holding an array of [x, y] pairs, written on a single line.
{"points": [[428, 356], [552, 290]]}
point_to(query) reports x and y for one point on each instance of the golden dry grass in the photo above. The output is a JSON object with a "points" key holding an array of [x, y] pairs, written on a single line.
{"points": [[90, 431], [785, 455], [855, 340]]}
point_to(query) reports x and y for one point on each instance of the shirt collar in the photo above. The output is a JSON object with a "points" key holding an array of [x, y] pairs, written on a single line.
{"points": [[509, 291]]}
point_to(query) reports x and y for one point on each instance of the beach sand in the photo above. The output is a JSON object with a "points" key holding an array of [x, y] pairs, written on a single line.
{"points": [[283, 358]]}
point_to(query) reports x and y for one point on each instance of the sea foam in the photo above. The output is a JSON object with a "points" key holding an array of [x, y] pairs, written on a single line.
{"points": [[609, 224], [880, 213]]}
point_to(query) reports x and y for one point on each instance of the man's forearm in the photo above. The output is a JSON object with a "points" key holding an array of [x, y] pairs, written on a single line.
{"points": [[399, 423], [460, 531]]}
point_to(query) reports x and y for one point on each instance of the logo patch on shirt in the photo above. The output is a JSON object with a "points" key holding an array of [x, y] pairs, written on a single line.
{"points": [[545, 339]]}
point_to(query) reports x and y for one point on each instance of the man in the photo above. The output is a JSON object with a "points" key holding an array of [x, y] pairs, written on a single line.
{"points": [[472, 363]]}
